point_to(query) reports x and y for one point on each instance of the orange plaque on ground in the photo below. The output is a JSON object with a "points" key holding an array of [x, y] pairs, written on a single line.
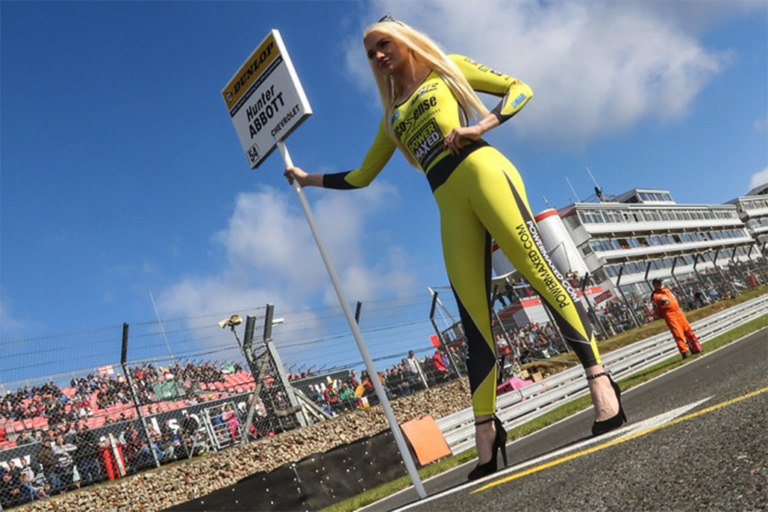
{"points": [[427, 439]]}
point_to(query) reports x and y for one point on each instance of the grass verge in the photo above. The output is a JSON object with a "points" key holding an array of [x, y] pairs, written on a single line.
{"points": [[559, 413]]}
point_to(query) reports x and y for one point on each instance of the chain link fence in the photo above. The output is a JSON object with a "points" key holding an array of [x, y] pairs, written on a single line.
{"points": [[693, 290], [163, 391], [152, 393], [410, 339]]}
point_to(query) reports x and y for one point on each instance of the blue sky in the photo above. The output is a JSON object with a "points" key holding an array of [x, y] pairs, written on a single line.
{"points": [[121, 173]]}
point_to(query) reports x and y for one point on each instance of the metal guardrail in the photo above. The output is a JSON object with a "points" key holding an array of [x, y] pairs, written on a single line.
{"points": [[522, 405]]}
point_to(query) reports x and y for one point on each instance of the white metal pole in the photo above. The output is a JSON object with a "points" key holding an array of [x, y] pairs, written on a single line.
{"points": [[393, 425], [162, 329], [572, 189]]}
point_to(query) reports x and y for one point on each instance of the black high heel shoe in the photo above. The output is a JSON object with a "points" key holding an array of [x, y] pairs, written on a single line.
{"points": [[601, 427], [499, 444]]}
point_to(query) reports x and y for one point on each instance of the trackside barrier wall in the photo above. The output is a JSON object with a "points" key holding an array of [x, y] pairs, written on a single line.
{"points": [[313, 483], [527, 403]]}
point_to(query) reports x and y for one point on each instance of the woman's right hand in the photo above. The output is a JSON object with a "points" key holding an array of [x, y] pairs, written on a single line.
{"points": [[296, 173], [302, 178]]}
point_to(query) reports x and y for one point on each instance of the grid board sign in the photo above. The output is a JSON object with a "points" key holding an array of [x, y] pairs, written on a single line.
{"points": [[265, 99]]}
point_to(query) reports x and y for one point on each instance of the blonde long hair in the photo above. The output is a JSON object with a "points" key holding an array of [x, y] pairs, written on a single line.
{"points": [[429, 53]]}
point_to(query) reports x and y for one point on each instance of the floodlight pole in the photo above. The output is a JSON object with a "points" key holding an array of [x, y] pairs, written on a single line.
{"points": [[393, 425]]}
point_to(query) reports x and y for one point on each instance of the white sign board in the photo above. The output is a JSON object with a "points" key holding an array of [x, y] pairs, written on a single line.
{"points": [[265, 99]]}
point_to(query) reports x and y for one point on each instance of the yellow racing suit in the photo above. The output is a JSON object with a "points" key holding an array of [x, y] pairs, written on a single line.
{"points": [[481, 197]]}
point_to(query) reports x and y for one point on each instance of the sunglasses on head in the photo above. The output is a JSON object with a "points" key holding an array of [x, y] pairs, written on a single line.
{"points": [[388, 17]]}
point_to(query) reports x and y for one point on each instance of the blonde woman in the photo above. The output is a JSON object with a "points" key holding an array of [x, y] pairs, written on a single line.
{"points": [[428, 98]]}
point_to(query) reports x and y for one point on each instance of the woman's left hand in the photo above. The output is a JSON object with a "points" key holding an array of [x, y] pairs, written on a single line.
{"points": [[453, 141]]}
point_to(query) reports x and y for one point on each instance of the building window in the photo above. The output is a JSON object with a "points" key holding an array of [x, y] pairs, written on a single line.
{"points": [[590, 217]]}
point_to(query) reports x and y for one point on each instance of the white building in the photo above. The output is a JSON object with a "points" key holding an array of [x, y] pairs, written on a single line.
{"points": [[527, 306], [753, 211], [643, 234]]}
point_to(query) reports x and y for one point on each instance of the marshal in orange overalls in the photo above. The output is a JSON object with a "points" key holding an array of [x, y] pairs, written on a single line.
{"points": [[665, 306]]}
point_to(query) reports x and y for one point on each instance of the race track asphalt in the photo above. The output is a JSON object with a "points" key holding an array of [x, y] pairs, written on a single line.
{"points": [[697, 439]]}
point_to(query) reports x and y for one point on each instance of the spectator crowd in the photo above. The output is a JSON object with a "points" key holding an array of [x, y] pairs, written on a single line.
{"points": [[59, 406], [66, 460]]}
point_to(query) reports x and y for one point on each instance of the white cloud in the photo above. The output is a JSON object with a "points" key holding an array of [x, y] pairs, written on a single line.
{"points": [[272, 257], [759, 178], [10, 325], [760, 124], [594, 67], [697, 17]]}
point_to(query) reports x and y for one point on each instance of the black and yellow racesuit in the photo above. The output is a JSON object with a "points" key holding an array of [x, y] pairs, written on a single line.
{"points": [[480, 195]]}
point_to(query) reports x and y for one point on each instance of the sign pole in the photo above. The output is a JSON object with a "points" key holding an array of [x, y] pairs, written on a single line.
{"points": [[393, 425], [266, 103]]}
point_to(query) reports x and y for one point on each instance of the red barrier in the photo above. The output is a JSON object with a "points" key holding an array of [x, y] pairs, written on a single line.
{"points": [[114, 465]]}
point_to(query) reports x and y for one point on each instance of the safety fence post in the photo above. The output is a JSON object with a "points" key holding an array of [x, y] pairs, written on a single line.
{"points": [[440, 336], [603, 331], [134, 394], [618, 287]]}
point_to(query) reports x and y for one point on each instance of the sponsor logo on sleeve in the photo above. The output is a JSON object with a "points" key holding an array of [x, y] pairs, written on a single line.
{"points": [[518, 101]]}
